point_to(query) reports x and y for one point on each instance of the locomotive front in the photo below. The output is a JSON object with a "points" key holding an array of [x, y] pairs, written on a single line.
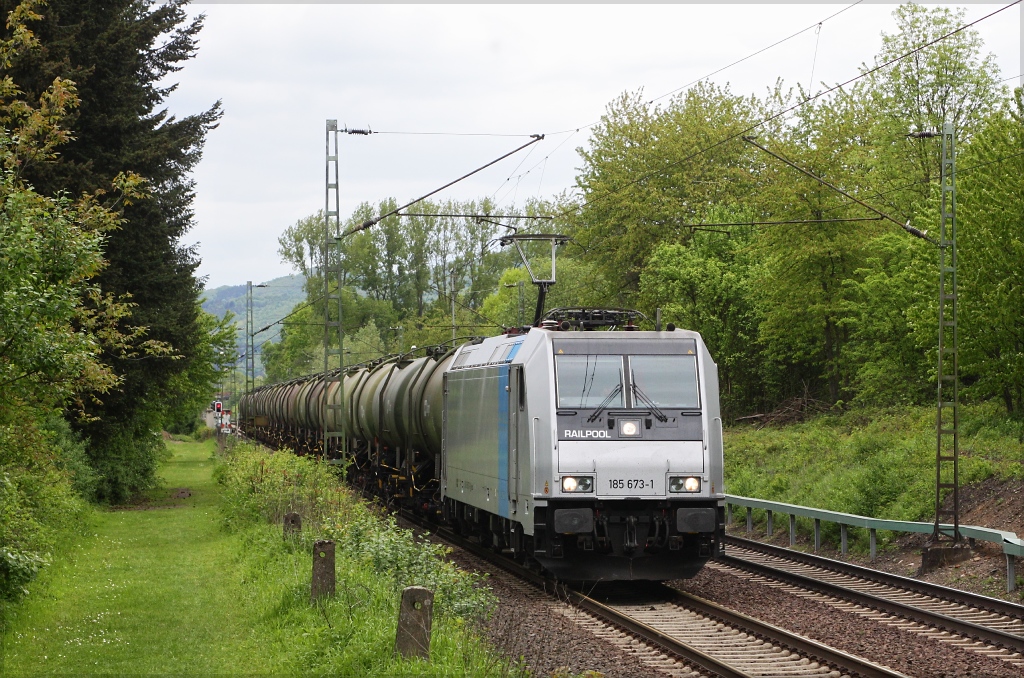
{"points": [[614, 451]]}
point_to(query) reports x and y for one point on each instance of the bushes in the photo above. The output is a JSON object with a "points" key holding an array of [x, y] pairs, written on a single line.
{"points": [[352, 633], [41, 465], [867, 462], [262, 487], [126, 461]]}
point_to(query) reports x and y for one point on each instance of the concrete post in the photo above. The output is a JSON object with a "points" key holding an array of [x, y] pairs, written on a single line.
{"points": [[415, 618], [770, 525], [323, 570], [1011, 575], [750, 520], [292, 523], [792, 530], [842, 538], [873, 538], [817, 534]]}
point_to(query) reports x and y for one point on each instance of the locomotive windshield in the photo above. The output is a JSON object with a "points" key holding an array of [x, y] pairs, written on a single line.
{"points": [[592, 381], [668, 381], [586, 381]]}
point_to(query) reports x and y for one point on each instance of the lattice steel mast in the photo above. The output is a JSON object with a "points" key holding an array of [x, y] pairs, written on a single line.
{"points": [[947, 418], [250, 357], [332, 328]]}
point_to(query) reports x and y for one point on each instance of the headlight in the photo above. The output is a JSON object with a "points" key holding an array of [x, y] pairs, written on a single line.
{"points": [[684, 484], [629, 428], [577, 484]]}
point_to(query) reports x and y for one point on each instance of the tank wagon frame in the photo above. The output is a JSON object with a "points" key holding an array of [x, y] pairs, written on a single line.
{"points": [[597, 455]]}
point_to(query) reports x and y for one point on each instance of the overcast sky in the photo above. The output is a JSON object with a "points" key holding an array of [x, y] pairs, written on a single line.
{"points": [[282, 70]]}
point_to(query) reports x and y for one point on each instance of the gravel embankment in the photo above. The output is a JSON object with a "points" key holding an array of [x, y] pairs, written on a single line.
{"points": [[524, 625]]}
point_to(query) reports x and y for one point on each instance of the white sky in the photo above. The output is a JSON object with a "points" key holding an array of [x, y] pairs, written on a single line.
{"points": [[283, 70]]}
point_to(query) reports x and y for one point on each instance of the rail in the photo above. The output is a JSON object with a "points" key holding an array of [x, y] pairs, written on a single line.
{"points": [[1012, 545]]}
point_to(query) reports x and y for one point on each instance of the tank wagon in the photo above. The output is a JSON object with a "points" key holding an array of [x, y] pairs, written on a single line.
{"points": [[598, 455]]}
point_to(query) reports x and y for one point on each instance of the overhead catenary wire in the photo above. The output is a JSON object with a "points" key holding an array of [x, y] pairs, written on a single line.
{"points": [[911, 184], [723, 68], [905, 226], [573, 131], [477, 216], [455, 300], [456, 134], [875, 194], [918, 182], [542, 161], [293, 312], [376, 220], [814, 61], [747, 130], [778, 223]]}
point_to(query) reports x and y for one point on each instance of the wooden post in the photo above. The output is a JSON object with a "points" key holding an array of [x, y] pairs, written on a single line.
{"points": [[292, 524], [323, 570], [415, 618]]}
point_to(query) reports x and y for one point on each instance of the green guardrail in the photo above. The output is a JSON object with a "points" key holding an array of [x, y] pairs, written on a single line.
{"points": [[1012, 545]]}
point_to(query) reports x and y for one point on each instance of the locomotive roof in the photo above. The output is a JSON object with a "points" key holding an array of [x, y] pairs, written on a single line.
{"points": [[505, 349]]}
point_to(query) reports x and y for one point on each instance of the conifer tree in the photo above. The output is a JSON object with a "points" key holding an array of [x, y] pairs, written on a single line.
{"points": [[117, 53]]}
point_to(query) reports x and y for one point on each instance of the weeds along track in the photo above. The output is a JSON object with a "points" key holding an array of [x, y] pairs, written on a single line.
{"points": [[671, 632], [985, 625]]}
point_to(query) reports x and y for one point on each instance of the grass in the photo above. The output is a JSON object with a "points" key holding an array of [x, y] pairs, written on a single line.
{"points": [[146, 591], [207, 585], [353, 633], [867, 462]]}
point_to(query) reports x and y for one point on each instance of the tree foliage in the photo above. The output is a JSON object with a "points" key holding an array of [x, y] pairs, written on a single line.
{"points": [[800, 292], [117, 55], [820, 298], [991, 238], [57, 327]]}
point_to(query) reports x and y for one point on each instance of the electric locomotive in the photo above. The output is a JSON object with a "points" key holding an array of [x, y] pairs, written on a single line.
{"points": [[599, 454]]}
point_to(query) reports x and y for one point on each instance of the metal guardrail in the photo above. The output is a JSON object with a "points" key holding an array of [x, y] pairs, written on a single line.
{"points": [[1012, 545]]}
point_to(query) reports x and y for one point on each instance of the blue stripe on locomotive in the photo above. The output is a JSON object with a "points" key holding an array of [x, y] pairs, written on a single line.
{"points": [[503, 393]]}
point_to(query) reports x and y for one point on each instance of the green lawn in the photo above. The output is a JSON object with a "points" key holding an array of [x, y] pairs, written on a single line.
{"points": [[146, 591]]}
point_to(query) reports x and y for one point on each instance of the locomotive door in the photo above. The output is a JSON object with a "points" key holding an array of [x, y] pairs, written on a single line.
{"points": [[515, 401]]}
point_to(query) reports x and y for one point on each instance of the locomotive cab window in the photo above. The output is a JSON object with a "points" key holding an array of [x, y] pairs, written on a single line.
{"points": [[668, 381], [588, 381]]}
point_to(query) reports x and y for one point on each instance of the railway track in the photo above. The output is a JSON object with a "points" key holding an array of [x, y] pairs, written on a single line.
{"points": [[985, 625], [680, 634], [720, 641]]}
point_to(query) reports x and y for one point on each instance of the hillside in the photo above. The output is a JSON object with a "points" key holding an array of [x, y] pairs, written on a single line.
{"points": [[269, 303]]}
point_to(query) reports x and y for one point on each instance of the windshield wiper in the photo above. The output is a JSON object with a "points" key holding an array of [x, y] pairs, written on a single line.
{"points": [[642, 397], [605, 403]]}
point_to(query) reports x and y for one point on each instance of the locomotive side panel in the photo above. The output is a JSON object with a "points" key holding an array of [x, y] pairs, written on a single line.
{"points": [[537, 460], [475, 450], [713, 449]]}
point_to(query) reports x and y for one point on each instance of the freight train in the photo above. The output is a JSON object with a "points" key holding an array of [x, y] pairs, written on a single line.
{"points": [[594, 455]]}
